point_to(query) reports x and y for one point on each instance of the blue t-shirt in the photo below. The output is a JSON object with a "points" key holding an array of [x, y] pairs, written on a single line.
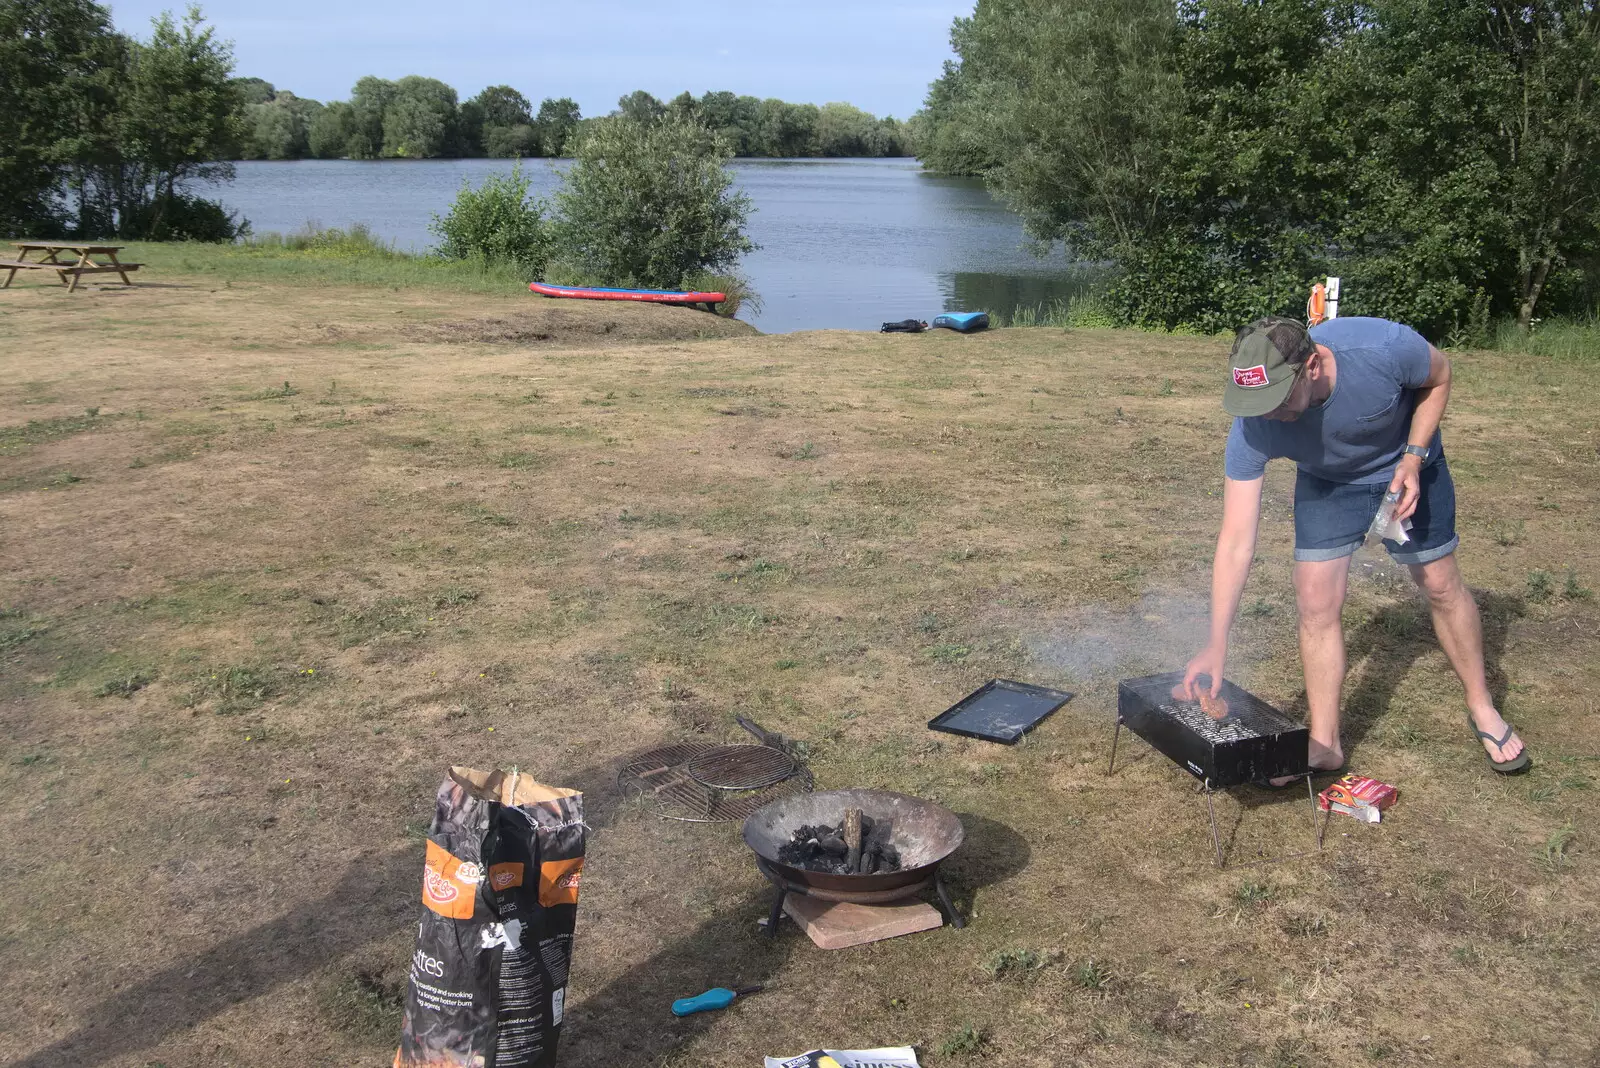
{"points": [[1359, 432]]}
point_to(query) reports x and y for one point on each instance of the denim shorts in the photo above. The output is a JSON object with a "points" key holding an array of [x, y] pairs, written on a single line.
{"points": [[1331, 518]]}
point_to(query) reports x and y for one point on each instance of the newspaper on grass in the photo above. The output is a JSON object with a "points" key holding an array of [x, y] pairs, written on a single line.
{"points": [[888, 1057]]}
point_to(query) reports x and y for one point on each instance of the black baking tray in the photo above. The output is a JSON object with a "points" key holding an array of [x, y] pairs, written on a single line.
{"points": [[1000, 711]]}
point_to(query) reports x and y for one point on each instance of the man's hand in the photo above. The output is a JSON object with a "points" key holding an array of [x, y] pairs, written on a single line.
{"points": [[1407, 482], [1208, 661]]}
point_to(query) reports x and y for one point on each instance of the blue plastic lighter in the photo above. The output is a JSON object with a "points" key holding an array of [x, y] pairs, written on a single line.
{"points": [[718, 997]]}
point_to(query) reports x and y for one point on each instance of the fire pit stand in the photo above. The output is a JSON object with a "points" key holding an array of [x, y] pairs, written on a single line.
{"points": [[787, 886], [1250, 743]]}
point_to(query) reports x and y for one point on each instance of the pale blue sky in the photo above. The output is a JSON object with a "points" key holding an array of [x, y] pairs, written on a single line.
{"points": [[878, 56]]}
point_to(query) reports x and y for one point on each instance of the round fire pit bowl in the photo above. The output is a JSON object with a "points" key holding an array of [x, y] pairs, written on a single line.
{"points": [[922, 832]]}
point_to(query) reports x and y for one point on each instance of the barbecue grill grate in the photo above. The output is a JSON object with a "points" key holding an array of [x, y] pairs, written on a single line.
{"points": [[665, 776], [740, 767]]}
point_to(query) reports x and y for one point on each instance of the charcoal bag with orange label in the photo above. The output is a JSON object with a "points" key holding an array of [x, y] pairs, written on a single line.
{"points": [[500, 894]]}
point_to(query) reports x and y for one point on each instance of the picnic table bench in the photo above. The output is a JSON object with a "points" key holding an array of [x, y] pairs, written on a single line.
{"points": [[51, 260]]}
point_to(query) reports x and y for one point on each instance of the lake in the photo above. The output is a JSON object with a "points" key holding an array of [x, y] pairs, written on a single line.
{"points": [[844, 243]]}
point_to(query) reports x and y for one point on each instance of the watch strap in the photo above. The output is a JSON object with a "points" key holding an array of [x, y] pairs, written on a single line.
{"points": [[1417, 451]]}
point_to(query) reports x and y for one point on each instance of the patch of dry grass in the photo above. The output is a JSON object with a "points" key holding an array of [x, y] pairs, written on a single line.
{"points": [[315, 550]]}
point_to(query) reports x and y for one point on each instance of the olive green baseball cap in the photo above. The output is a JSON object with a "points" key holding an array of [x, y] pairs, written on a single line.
{"points": [[1267, 357]]}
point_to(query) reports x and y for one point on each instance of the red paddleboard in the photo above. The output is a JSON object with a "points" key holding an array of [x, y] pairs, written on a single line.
{"points": [[653, 296]]}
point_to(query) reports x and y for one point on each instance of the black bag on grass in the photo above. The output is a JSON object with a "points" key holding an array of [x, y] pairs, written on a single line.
{"points": [[904, 326], [489, 977]]}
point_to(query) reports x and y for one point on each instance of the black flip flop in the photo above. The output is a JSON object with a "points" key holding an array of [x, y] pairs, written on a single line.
{"points": [[1504, 767]]}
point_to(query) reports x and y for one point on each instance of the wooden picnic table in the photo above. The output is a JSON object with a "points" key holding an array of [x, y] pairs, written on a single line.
{"points": [[50, 260]]}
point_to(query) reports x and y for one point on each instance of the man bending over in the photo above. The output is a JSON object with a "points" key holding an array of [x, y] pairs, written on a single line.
{"points": [[1356, 404]]}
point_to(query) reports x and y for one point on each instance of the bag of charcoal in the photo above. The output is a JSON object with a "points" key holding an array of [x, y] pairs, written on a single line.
{"points": [[500, 889]]}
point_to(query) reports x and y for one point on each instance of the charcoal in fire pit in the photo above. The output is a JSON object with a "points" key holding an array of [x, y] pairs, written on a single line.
{"points": [[822, 848]]}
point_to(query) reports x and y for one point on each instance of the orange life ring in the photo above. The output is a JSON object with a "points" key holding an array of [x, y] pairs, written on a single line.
{"points": [[1317, 306]]}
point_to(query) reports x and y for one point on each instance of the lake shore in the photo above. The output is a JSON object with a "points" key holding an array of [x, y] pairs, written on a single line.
{"points": [[279, 551], [844, 243]]}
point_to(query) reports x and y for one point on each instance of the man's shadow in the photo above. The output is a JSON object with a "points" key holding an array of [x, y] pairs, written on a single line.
{"points": [[1379, 655], [1381, 652]]}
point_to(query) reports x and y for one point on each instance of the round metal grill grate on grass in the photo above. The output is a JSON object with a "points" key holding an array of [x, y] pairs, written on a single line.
{"points": [[740, 767], [702, 782]]}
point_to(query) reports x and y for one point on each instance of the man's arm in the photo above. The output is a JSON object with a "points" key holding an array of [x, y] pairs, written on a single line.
{"points": [[1432, 396], [1230, 568]]}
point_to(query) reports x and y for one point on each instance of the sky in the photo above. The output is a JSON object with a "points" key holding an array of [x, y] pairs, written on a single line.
{"points": [[877, 56]]}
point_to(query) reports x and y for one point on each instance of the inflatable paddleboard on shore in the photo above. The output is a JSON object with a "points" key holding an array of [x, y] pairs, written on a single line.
{"points": [[650, 296], [963, 322]]}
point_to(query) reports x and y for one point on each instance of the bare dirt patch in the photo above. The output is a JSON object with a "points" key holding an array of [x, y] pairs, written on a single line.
{"points": [[318, 556], [616, 322]]}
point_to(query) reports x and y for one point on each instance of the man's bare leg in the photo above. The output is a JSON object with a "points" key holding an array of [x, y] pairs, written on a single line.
{"points": [[1319, 587], [1460, 632]]}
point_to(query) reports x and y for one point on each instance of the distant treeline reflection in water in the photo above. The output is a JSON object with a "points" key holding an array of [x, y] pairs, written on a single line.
{"points": [[845, 244]]}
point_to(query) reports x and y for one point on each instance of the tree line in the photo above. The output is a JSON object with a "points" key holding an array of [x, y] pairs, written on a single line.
{"points": [[1442, 156], [419, 118], [103, 134]]}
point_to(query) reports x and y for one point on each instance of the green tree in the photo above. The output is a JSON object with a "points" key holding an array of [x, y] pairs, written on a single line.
{"points": [[489, 119], [1224, 153], [640, 106], [557, 122], [952, 132], [253, 90], [177, 123], [470, 132], [843, 130], [504, 106], [280, 127], [58, 60], [332, 131], [650, 204], [684, 106], [420, 120], [734, 118], [786, 130], [369, 103], [1477, 165], [505, 142]]}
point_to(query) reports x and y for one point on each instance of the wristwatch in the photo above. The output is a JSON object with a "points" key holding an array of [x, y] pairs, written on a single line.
{"points": [[1418, 451]]}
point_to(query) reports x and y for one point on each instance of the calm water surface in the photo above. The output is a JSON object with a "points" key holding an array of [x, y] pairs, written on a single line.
{"points": [[844, 243]]}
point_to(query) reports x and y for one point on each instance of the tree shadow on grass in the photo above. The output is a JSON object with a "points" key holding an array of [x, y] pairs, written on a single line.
{"points": [[1379, 655], [376, 895], [626, 1023]]}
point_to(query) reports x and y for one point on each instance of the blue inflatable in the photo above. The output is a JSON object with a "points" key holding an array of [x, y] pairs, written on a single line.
{"points": [[963, 322]]}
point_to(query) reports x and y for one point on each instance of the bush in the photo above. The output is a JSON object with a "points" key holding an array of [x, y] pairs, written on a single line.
{"points": [[497, 223], [649, 204], [186, 217]]}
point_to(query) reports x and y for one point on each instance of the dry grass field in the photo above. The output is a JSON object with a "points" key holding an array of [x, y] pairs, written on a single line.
{"points": [[272, 557]]}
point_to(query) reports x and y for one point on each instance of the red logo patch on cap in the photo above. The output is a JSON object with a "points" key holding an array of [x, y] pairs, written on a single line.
{"points": [[1250, 377]]}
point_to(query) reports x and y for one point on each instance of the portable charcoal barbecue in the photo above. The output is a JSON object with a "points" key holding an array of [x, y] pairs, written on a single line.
{"points": [[922, 833], [1252, 743]]}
